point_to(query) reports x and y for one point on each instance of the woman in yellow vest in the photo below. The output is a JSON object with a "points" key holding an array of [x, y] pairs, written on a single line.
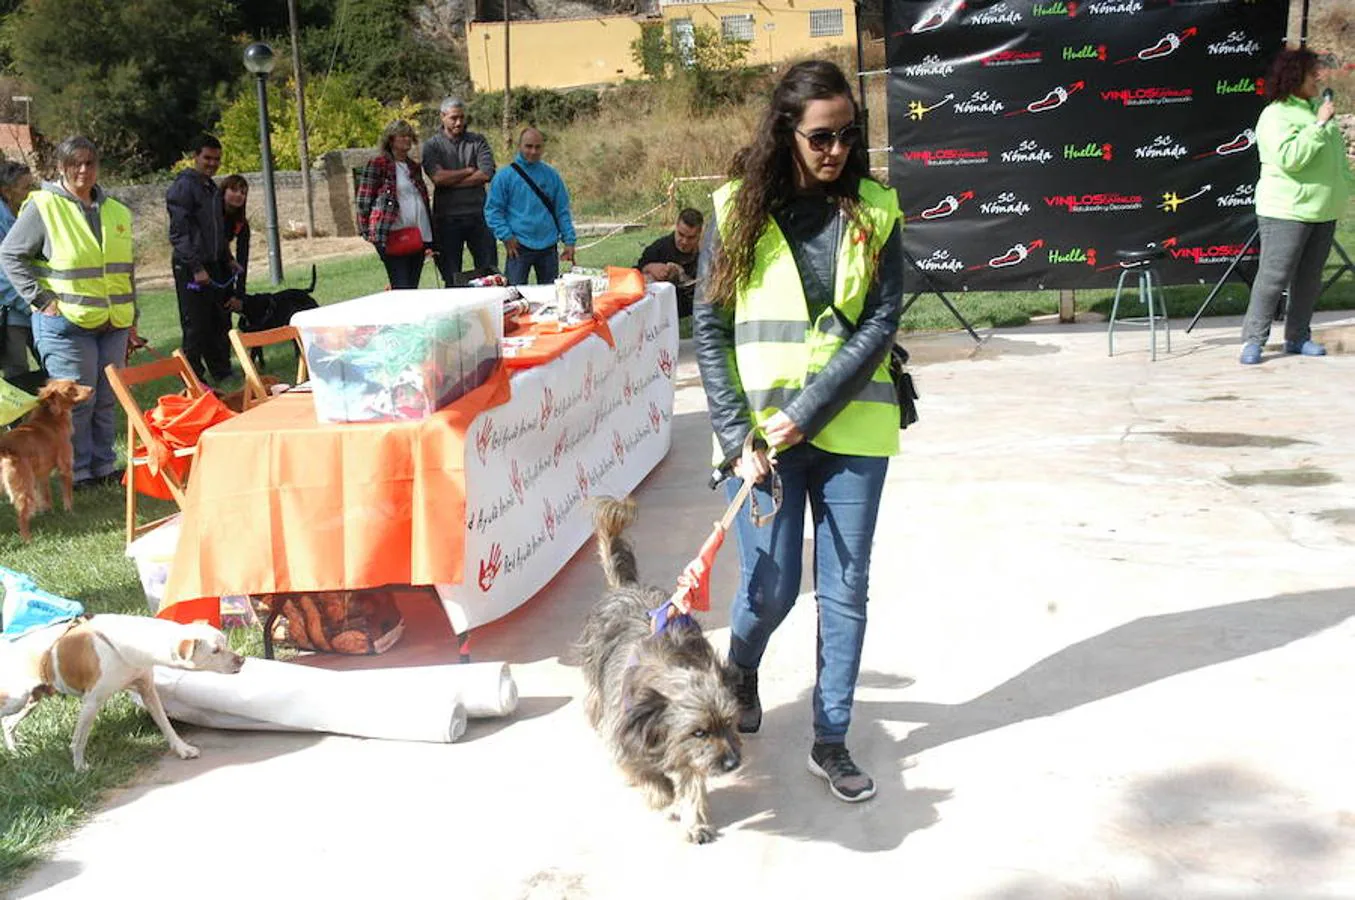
{"points": [[69, 255], [797, 305]]}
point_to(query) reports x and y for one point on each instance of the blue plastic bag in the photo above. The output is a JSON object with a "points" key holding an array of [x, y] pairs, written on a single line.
{"points": [[28, 606]]}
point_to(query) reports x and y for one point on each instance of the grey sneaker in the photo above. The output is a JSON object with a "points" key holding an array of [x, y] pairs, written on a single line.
{"points": [[833, 764], [745, 691]]}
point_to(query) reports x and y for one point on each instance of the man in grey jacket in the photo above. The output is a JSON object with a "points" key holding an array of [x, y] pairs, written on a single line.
{"points": [[203, 269], [460, 164]]}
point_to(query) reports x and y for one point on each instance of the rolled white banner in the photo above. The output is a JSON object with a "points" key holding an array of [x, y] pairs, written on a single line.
{"points": [[486, 689], [271, 695]]}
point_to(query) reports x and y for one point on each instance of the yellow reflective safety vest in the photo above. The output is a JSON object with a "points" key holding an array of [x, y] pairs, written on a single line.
{"points": [[92, 282], [777, 350]]}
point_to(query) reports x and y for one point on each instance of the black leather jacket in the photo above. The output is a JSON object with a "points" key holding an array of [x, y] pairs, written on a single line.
{"points": [[812, 228]]}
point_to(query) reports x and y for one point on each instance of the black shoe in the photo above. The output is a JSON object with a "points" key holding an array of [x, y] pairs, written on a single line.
{"points": [[745, 691], [833, 764]]}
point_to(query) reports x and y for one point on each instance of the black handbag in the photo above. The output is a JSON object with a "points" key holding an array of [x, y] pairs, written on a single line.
{"points": [[904, 390]]}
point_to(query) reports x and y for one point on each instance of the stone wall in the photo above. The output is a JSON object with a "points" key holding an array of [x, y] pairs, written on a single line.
{"points": [[332, 184]]}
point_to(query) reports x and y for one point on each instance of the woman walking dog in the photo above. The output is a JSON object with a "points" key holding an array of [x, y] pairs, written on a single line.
{"points": [[797, 305]]}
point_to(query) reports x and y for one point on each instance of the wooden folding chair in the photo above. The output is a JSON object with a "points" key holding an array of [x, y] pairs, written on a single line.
{"points": [[244, 341], [139, 437]]}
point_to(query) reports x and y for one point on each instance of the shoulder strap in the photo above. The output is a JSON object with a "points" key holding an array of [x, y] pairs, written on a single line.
{"points": [[541, 195]]}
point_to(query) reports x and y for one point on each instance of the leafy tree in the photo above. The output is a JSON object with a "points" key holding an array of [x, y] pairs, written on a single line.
{"points": [[378, 43], [709, 69], [336, 118], [138, 78]]}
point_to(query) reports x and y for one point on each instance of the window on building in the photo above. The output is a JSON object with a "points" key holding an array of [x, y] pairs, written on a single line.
{"points": [[684, 41], [737, 28], [825, 22]]}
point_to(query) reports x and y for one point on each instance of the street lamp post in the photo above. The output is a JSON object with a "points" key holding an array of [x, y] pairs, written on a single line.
{"points": [[259, 61]]}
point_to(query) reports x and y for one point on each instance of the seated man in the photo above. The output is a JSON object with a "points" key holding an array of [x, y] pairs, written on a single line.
{"points": [[673, 258]]}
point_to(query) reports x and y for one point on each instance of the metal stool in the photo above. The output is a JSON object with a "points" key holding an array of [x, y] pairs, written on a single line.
{"points": [[1140, 263]]}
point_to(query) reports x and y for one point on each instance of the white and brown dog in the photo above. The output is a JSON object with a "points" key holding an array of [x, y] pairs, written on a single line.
{"points": [[94, 658]]}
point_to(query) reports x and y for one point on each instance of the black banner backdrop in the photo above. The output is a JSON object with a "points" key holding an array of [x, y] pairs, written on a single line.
{"points": [[1031, 140]]}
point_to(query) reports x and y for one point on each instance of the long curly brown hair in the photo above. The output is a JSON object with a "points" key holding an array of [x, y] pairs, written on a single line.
{"points": [[766, 170], [1287, 72]]}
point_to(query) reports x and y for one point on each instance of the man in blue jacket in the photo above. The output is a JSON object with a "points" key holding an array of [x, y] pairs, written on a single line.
{"points": [[528, 209]]}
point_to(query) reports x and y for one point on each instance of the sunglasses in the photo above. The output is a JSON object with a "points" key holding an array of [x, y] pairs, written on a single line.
{"points": [[822, 139]]}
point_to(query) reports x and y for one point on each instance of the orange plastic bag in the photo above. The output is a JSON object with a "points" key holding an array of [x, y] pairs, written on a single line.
{"points": [[176, 422]]}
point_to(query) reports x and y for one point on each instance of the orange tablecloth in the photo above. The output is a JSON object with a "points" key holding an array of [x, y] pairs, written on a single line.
{"points": [[279, 502], [325, 506]]}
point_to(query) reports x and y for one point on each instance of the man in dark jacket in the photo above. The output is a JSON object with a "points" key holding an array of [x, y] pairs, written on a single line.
{"points": [[202, 262], [675, 257]]}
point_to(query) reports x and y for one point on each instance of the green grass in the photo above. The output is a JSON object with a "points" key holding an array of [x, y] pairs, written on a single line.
{"points": [[80, 554]]}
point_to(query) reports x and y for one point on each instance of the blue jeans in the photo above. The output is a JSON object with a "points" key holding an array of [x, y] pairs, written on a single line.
{"points": [[546, 263], [843, 496], [80, 354]]}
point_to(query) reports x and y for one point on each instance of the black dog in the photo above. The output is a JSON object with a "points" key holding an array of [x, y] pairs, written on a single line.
{"points": [[264, 311]]}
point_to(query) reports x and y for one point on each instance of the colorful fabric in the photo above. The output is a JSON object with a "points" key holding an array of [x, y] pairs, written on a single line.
{"points": [[176, 422]]}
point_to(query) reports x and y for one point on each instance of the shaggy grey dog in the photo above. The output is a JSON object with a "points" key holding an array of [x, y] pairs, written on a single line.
{"points": [[663, 702]]}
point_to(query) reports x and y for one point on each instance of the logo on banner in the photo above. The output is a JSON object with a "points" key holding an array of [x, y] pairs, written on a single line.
{"points": [[1114, 8], [1027, 152], [1089, 150], [1164, 146], [931, 64], [1166, 45], [950, 156], [515, 479], [1149, 96], [937, 15], [946, 206], [997, 14], [1056, 97], [1095, 203], [1086, 51], [1240, 86], [1005, 204], [917, 109], [666, 363], [1171, 201], [1242, 195], [1057, 8], [489, 568], [655, 417], [581, 475], [1237, 43], [940, 261], [482, 438], [1214, 253], [1073, 256], [1018, 254], [549, 519], [979, 102], [1014, 58], [1244, 141], [547, 405]]}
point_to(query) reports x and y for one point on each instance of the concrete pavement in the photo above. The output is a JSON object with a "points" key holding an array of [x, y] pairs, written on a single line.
{"points": [[1109, 656]]}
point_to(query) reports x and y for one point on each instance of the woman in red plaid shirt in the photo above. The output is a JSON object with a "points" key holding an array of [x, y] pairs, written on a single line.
{"points": [[393, 212]]}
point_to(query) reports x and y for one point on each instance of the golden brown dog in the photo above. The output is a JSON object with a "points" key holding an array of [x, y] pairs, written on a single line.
{"points": [[97, 657], [42, 444]]}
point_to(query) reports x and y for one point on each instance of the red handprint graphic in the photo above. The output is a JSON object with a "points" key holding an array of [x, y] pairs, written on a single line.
{"points": [[654, 417], [547, 406], [489, 568], [515, 479], [618, 446], [582, 475], [550, 519], [666, 362], [482, 438]]}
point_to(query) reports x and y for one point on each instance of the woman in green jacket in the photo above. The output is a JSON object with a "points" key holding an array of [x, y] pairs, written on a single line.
{"points": [[1305, 183]]}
